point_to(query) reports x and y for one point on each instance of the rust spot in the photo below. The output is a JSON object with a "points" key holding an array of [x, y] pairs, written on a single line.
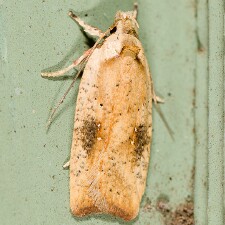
{"points": [[89, 134], [142, 139]]}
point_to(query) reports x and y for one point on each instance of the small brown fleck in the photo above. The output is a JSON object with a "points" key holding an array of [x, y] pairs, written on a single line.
{"points": [[148, 205]]}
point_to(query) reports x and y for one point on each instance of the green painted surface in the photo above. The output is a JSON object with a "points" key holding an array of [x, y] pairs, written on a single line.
{"points": [[216, 113], [201, 114], [34, 189]]}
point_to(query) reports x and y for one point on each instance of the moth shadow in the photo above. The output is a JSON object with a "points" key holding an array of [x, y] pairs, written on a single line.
{"points": [[106, 219]]}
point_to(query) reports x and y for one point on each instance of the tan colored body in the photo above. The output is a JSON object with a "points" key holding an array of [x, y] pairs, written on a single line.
{"points": [[112, 131]]}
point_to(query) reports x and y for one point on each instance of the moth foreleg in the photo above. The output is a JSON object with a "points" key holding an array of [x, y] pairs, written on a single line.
{"points": [[63, 71], [94, 31]]}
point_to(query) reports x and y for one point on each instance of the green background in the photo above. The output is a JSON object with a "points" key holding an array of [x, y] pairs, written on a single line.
{"points": [[183, 41]]}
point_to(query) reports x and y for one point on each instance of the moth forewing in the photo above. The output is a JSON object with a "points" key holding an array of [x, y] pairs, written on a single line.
{"points": [[112, 127]]}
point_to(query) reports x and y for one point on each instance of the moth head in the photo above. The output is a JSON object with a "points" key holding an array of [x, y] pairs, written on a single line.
{"points": [[126, 22]]}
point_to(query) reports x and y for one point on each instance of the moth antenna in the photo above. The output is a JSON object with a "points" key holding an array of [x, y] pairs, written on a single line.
{"points": [[135, 10], [171, 133], [63, 98]]}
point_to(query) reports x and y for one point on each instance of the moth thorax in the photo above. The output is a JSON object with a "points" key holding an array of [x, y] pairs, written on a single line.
{"points": [[127, 23], [127, 26]]}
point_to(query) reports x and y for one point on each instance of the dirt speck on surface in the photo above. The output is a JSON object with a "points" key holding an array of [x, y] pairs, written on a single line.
{"points": [[163, 207], [147, 206], [183, 214]]}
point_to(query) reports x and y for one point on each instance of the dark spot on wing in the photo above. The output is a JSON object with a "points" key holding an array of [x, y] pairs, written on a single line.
{"points": [[89, 134], [113, 30], [132, 32], [142, 139]]}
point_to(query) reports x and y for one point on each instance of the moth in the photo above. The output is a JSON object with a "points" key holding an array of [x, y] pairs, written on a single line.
{"points": [[112, 133]]}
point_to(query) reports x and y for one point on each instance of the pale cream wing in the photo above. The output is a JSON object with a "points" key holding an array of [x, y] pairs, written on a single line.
{"points": [[111, 140]]}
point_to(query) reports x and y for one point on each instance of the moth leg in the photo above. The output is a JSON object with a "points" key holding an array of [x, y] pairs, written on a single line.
{"points": [[63, 71], [66, 165], [156, 98], [87, 28]]}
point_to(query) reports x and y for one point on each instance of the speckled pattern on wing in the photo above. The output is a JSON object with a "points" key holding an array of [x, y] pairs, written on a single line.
{"points": [[112, 132]]}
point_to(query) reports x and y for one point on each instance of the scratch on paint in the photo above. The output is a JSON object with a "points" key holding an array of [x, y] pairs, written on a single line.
{"points": [[3, 42], [3, 48]]}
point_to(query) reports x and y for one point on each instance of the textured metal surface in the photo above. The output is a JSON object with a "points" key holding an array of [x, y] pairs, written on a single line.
{"points": [[37, 34]]}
